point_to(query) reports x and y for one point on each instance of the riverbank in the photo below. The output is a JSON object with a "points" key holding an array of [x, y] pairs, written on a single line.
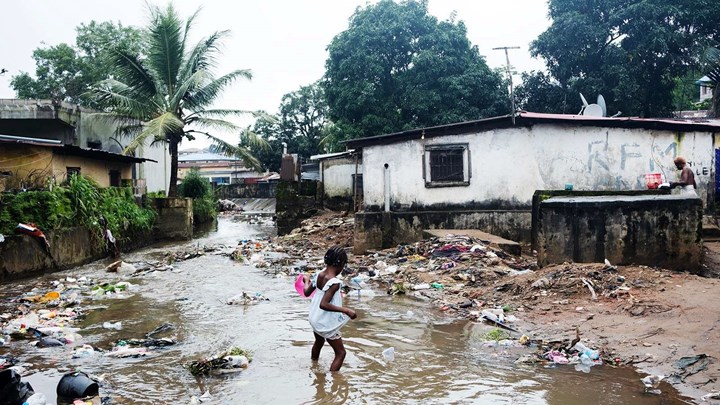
{"points": [[659, 321]]}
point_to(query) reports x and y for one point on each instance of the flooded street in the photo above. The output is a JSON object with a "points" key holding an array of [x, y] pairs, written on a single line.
{"points": [[438, 359]]}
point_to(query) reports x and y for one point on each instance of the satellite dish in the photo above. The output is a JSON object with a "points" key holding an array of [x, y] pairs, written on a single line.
{"points": [[585, 103], [601, 103], [593, 110]]}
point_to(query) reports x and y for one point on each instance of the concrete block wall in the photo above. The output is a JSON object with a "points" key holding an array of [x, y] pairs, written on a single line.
{"points": [[380, 230], [174, 220], [652, 230]]}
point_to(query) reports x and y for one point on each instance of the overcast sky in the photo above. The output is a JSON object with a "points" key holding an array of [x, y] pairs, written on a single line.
{"points": [[283, 42]]}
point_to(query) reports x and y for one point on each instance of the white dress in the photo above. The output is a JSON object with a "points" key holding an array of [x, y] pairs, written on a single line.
{"points": [[688, 190], [327, 323]]}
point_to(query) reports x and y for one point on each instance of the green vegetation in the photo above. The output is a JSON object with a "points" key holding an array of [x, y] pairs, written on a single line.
{"points": [[80, 202], [496, 334], [631, 52], [200, 190], [166, 93]]}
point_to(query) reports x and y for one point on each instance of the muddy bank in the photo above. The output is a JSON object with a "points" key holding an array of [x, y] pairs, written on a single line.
{"points": [[659, 321]]}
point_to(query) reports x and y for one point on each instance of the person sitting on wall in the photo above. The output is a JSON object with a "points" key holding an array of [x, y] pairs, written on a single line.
{"points": [[687, 177]]}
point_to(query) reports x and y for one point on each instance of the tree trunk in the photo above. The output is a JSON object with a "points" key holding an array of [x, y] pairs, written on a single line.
{"points": [[173, 149], [715, 109]]}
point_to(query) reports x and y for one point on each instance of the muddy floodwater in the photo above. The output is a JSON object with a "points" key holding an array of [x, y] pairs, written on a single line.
{"points": [[438, 359]]}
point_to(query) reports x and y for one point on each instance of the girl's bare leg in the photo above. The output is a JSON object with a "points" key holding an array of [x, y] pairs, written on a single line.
{"points": [[339, 348], [317, 346]]}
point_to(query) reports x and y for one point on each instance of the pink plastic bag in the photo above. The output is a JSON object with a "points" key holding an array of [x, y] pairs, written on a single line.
{"points": [[300, 286]]}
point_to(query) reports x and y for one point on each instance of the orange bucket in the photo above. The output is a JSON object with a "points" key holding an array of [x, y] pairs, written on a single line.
{"points": [[653, 180]]}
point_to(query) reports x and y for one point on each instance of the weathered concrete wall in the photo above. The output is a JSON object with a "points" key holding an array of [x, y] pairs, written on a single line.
{"points": [[23, 256], [661, 230], [507, 165], [336, 175], [295, 201], [175, 219], [98, 170], [257, 190], [542, 195], [375, 230]]}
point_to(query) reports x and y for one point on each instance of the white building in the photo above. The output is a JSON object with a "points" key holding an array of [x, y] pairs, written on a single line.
{"points": [[483, 174], [705, 88], [217, 168]]}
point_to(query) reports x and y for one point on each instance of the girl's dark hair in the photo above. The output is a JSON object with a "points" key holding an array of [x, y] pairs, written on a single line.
{"points": [[336, 256]]}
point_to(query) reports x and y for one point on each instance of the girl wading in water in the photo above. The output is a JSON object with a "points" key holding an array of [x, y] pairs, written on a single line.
{"points": [[327, 315]]}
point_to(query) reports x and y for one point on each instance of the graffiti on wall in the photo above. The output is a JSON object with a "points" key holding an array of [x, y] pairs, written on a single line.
{"points": [[598, 157]]}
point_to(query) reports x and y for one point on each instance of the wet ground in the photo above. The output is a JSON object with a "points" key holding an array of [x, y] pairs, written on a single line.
{"points": [[438, 359]]}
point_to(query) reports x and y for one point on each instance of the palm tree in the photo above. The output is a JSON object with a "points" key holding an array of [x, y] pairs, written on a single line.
{"points": [[167, 94]]}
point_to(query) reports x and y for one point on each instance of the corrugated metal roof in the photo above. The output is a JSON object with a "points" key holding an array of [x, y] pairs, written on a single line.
{"points": [[527, 119], [71, 150], [332, 155], [205, 156]]}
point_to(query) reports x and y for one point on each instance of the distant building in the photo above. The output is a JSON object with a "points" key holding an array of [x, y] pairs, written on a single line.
{"points": [[28, 163], [705, 88], [482, 174], [81, 134], [217, 168]]}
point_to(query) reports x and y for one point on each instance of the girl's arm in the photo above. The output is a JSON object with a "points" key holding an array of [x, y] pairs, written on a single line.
{"points": [[309, 288], [325, 304]]}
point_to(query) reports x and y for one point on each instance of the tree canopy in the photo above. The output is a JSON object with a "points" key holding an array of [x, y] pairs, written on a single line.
{"points": [[397, 67], [167, 93], [632, 52], [66, 72]]}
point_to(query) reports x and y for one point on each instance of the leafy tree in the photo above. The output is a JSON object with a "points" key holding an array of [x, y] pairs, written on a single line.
{"points": [[66, 72], [397, 67], [303, 115], [300, 124], [630, 51], [540, 93], [711, 65], [166, 96]]}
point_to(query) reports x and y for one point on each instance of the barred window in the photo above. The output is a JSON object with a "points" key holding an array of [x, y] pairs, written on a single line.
{"points": [[447, 165]]}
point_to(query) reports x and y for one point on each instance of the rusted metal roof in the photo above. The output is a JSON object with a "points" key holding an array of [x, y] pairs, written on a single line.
{"points": [[528, 119], [72, 150]]}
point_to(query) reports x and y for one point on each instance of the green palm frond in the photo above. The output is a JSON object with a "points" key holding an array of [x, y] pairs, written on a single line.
{"points": [[712, 58], [166, 52], [162, 127], [212, 123], [241, 152], [220, 113], [130, 71], [192, 82], [202, 56], [206, 95], [253, 140], [125, 104]]}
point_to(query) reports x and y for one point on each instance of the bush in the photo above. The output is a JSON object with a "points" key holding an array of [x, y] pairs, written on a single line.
{"points": [[194, 186], [200, 190], [82, 202]]}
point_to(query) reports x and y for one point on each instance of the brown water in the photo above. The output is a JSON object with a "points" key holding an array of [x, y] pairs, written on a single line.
{"points": [[438, 359]]}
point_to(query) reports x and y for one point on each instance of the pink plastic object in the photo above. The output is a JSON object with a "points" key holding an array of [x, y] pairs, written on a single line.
{"points": [[300, 286]]}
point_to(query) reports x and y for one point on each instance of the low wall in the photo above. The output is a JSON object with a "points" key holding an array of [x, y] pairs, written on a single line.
{"points": [[653, 230], [257, 190], [295, 201], [376, 230], [174, 220], [24, 256], [542, 195]]}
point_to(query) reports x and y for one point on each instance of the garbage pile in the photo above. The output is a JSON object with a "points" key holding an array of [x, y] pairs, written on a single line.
{"points": [[231, 361]]}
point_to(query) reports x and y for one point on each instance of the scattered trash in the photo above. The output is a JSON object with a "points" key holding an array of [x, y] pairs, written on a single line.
{"points": [[77, 385], [245, 299], [234, 360], [389, 354], [651, 383], [110, 325], [12, 389]]}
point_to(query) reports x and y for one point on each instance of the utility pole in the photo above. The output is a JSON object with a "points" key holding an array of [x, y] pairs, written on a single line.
{"points": [[509, 73]]}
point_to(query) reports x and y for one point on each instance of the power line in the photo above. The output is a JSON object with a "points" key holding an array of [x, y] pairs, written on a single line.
{"points": [[512, 91]]}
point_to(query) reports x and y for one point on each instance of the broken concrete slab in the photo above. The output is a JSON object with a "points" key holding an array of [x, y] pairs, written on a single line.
{"points": [[506, 245]]}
